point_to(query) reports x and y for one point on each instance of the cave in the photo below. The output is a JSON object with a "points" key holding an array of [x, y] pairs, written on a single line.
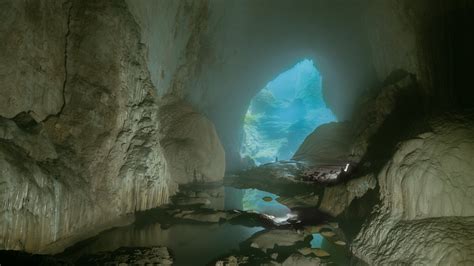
{"points": [[283, 113], [237, 132]]}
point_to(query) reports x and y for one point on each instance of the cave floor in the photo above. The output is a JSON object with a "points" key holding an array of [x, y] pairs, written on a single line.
{"points": [[217, 224], [263, 216]]}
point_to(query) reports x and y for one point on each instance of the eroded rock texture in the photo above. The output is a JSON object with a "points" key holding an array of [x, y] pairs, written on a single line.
{"points": [[80, 147], [32, 50], [99, 158], [191, 145], [338, 198], [328, 144], [425, 216]]}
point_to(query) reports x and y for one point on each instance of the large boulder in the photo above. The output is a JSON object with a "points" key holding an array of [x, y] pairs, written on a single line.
{"points": [[338, 198], [191, 146], [427, 200], [328, 144]]}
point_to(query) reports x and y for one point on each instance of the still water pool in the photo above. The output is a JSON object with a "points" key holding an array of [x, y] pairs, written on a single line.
{"points": [[194, 243]]}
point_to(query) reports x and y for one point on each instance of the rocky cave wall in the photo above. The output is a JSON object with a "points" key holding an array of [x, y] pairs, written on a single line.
{"points": [[92, 93], [222, 53], [85, 140], [425, 210], [97, 99], [413, 137]]}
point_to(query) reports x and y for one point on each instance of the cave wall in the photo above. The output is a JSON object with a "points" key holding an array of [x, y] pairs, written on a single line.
{"points": [[222, 53], [425, 210], [412, 136], [430, 39], [426, 199], [83, 129], [241, 59], [86, 132], [39, 30]]}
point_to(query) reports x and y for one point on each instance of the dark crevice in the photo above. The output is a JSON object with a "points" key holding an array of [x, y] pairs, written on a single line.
{"points": [[66, 45], [26, 122]]}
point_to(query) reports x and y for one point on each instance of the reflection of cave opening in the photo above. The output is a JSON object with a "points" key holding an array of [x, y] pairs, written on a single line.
{"points": [[283, 113]]}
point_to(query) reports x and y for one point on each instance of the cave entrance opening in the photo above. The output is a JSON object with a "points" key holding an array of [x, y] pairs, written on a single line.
{"points": [[283, 113]]}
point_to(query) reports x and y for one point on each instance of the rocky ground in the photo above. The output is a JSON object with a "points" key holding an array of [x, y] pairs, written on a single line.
{"points": [[281, 242]]}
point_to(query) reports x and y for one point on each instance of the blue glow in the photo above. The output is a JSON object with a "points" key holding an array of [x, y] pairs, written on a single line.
{"points": [[253, 200], [317, 241], [283, 113]]}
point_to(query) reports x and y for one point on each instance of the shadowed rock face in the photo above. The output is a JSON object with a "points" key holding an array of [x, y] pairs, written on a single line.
{"points": [[426, 209], [82, 162], [100, 157], [32, 52], [191, 146], [86, 137], [329, 144]]}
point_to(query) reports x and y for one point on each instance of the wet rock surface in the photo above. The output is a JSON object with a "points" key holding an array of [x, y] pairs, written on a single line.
{"points": [[298, 259], [338, 198], [262, 239], [304, 200], [130, 256], [270, 239]]}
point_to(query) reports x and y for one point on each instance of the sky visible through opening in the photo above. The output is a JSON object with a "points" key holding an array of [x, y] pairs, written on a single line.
{"points": [[283, 113]]}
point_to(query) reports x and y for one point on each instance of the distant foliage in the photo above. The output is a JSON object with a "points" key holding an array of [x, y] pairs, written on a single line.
{"points": [[283, 113]]}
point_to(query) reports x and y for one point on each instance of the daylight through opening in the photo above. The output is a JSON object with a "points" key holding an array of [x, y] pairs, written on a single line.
{"points": [[283, 113]]}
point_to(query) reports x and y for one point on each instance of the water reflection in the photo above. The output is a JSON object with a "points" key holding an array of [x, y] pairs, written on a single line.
{"points": [[197, 243], [253, 200], [191, 244], [339, 255]]}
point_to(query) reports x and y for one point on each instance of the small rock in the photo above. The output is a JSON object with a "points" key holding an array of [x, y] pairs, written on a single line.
{"points": [[313, 229], [254, 245], [274, 256], [334, 225], [282, 237], [267, 199], [300, 260], [305, 251], [233, 261], [328, 234], [340, 243], [320, 253]]}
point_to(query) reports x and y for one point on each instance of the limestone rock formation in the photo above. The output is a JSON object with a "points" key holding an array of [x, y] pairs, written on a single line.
{"points": [[191, 146], [32, 52], [96, 161], [298, 259], [81, 134], [130, 256], [328, 144], [374, 111], [337, 198], [268, 240], [425, 216], [303, 200]]}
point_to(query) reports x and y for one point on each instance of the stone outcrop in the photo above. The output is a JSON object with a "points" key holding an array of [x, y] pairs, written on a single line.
{"points": [[130, 256], [81, 134], [328, 144], [96, 161], [32, 53], [426, 209], [268, 240], [338, 198], [191, 146]]}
